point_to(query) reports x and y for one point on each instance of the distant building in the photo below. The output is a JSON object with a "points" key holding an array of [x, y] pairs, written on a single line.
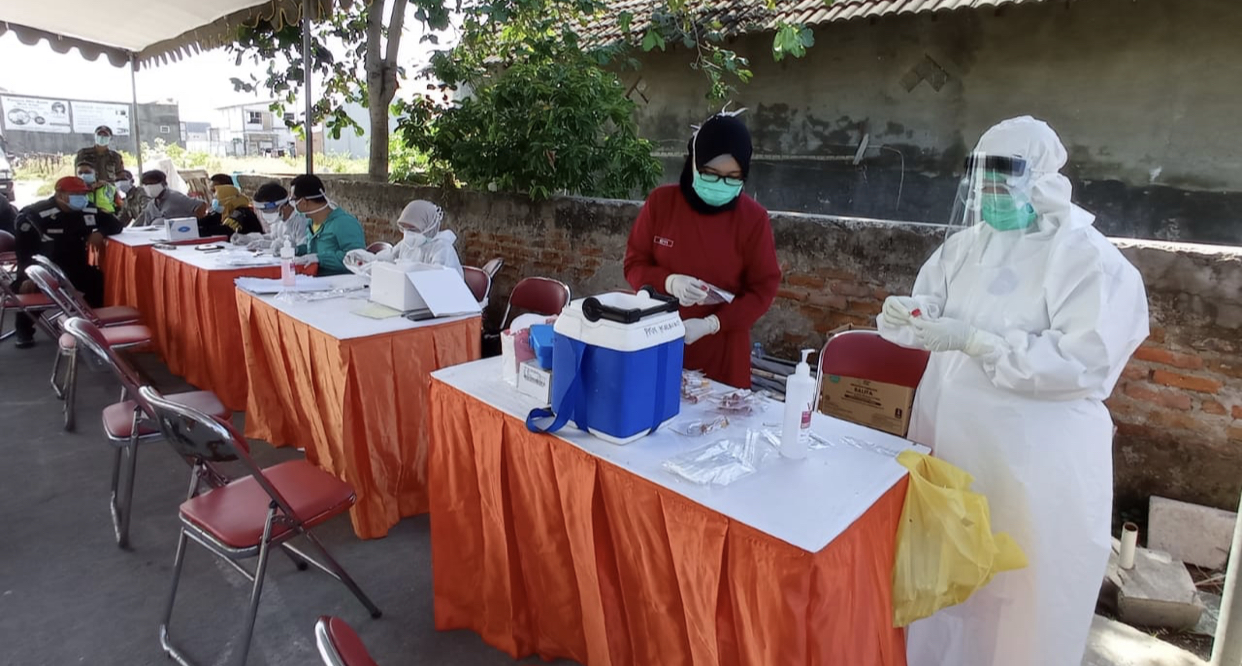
{"points": [[197, 136], [250, 129]]}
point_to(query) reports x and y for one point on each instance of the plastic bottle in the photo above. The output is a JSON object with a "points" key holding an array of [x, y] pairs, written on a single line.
{"points": [[799, 396], [287, 276]]}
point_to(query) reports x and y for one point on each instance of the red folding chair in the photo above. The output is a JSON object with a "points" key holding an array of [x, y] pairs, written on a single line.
{"points": [[339, 645], [479, 281], [115, 315], [540, 295], [130, 422], [265, 508], [866, 355], [8, 253], [118, 337]]}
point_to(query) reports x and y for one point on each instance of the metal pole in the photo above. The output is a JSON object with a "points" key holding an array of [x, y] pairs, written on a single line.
{"points": [[1227, 649], [133, 130], [307, 125]]}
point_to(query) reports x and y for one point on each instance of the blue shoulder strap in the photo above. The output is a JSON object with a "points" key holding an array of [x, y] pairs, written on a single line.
{"points": [[571, 400]]}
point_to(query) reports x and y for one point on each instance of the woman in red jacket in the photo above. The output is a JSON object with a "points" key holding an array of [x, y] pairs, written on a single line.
{"points": [[705, 231]]}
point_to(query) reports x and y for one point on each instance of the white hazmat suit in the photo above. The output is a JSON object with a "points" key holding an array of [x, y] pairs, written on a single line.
{"points": [[422, 242], [1030, 329]]}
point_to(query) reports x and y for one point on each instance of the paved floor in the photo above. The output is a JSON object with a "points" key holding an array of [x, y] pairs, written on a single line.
{"points": [[68, 595]]}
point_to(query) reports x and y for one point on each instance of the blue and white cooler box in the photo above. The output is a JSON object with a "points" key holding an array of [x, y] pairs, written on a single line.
{"points": [[616, 366]]}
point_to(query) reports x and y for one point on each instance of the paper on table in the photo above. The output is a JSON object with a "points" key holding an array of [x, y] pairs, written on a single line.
{"points": [[304, 283], [377, 311], [444, 292]]}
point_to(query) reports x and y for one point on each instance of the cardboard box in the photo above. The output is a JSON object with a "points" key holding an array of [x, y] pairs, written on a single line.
{"points": [[535, 382], [873, 404]]}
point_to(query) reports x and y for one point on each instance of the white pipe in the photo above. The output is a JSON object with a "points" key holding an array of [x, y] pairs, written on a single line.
{"points": [[307, 125], [134, 131], [1227, 649], [1129, 541]]}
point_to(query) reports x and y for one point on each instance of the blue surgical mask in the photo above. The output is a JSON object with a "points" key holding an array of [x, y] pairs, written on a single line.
{"points": [[78, 201], [215, 205], [716, 193], [88, 178]]}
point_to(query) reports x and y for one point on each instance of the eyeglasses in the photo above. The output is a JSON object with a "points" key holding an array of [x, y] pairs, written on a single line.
{"points": [[716, 178]]}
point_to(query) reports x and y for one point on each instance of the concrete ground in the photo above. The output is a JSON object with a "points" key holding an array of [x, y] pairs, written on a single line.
{"points": [[68, 595]]}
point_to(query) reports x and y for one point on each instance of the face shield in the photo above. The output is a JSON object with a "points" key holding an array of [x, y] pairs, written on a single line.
{"points": [[995, 191]]}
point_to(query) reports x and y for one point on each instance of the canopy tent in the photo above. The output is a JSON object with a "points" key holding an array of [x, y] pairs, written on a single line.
{"points": [[170, 31]]}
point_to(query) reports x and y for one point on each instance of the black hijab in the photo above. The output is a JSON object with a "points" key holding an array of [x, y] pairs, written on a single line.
{"points": [[720, 135]]}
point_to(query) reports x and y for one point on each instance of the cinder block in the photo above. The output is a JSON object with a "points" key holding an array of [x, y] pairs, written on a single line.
{"points": [[1195, 534], [1157, 592]]}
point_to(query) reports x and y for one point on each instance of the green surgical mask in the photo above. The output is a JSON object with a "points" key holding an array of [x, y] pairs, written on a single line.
{"points": [[1003, 213], [718, 193]]}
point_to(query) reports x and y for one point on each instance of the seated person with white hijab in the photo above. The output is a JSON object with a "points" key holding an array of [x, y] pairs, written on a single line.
{"points": [[422, 242]]}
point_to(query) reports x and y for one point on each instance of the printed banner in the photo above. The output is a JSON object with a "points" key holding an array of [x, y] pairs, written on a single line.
{"points": [[30, 114], [89, 115]]}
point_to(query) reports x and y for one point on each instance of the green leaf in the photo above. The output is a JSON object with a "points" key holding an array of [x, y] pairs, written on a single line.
{"points": [[624, 20], [653, 40]]}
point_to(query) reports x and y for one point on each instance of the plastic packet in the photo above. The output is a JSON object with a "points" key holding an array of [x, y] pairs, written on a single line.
{"points": [[695, 387], [716, 295], [692, 427], [722, 462], [741, 402]]}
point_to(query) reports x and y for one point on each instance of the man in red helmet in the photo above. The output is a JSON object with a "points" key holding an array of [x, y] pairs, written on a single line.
{"points": [[62, 228]]}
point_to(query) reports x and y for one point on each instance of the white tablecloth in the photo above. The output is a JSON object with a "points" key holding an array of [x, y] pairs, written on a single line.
{"points": [[335, 316], [228, 259], [805, 503], [138, 238]]}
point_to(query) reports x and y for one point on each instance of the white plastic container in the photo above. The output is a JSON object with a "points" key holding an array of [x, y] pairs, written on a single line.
{"points": [[799, 401], [628, 381], [181, 228], [288, 277]]}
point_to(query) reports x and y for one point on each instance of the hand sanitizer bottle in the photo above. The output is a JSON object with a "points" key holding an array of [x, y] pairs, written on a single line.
{"points": [[799, 396]]}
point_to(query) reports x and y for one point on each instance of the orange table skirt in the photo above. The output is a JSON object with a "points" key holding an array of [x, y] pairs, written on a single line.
{"points": [[129, 276], [193, 317], [357, 406], [544, 549]]}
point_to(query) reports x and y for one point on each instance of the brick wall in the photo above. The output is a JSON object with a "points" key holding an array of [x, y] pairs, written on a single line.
{"points": [[1178, 407]]}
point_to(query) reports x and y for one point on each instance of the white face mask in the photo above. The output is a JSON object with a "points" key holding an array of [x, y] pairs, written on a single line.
{"points": [[124, 186], [270, 216], [412, 238], [153, 191]]}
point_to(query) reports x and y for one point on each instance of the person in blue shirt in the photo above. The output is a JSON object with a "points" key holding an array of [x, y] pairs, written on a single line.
{"points": [[333, 232]]}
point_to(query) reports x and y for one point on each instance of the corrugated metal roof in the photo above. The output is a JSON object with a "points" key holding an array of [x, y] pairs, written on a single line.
{"points": [[747, 16]]}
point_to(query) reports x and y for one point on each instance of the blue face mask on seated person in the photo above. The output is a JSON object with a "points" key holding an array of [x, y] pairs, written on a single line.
{"points": [[88, 178], [78, 201], [215, 206]]}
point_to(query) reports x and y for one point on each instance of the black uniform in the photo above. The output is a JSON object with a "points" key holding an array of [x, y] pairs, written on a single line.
{"points": [[8, 215], [241, 221], [43, 228]]}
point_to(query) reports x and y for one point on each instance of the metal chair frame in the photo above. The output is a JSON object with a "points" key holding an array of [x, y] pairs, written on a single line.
{"points": [[43, 316], [326, 641], [493, 266], [518, 292], [201, 439], [72, 306]]}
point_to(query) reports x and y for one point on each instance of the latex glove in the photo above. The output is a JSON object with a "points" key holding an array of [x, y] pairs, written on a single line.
{"points": [[697, 329], [359, 261], [948, 334], [898, 311], [306, 260], [689, 291]]}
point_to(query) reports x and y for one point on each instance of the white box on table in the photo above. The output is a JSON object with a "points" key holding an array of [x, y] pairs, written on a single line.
{"points": [[390, 286], [535, 382], [181, 228]]}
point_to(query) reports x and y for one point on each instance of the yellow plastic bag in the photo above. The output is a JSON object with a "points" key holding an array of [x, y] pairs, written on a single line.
{"points": [[945, 546]]}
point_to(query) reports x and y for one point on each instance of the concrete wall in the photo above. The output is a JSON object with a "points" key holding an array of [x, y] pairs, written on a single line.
{"points": [[151, 118], [1143, 92], [1178, 407]]}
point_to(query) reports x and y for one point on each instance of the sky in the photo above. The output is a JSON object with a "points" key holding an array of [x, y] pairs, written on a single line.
{"points": [[199, 84]]}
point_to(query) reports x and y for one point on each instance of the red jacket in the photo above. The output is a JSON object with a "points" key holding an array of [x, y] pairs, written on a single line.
{"points": [[732, 250]]}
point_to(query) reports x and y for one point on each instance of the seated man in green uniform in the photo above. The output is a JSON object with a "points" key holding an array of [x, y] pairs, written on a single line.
{"points": [[333, 232]]}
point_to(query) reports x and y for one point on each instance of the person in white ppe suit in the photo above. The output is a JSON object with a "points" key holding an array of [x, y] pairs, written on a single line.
{"points": [[422, 241], [1030, 315]]}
